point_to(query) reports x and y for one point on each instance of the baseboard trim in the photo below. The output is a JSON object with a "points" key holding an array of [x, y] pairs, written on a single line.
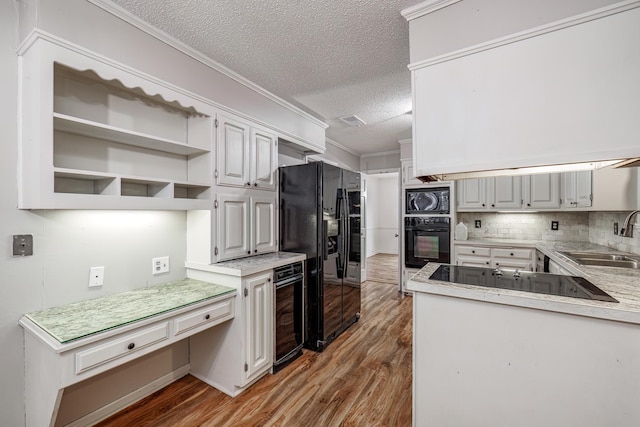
{"points": [[129, 399]]}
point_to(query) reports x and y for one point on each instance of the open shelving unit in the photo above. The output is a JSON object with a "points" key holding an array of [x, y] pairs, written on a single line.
{"points": [[97, 135]]}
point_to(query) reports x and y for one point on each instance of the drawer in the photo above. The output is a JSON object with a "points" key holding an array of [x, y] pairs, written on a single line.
{"points": [[210, 315], [120, 347], [513, 253], [473, 251]]}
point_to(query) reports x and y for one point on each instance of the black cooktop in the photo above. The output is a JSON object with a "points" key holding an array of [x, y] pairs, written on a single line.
{"points": [[541, 283]]}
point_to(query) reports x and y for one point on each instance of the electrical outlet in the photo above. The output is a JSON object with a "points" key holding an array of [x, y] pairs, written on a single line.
{"points": [[160, 265], [554, 225], [478, 223], [96, 276], [615, 228]]}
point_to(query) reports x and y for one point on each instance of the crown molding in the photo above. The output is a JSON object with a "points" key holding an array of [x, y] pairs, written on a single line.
{"points": [[530, 33], [160, 35], [425, 8], [380, 153], [340, 146]]}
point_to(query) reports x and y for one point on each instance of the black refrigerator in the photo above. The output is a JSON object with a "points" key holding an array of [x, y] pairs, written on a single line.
{"points": [[320, 216]]}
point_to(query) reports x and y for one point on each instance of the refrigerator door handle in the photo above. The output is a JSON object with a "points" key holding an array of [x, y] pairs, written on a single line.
{"points": [[347, 232]]}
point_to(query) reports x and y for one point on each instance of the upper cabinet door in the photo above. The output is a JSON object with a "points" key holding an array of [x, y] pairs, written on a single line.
{"points": [[264, 159], [233, 227], [472, 193], [504, 192], [576, 189], [233, 152], [542, 191], [263, 222]]}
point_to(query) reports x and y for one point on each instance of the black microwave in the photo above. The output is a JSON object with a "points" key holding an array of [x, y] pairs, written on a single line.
{"points": [[431, 200]]}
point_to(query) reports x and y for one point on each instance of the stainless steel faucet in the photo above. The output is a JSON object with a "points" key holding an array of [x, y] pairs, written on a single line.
{"points": [[625, 231]]}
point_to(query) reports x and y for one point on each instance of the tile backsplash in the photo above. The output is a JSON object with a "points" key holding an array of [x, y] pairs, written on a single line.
{"points": [[601, 231], [594, 227]]}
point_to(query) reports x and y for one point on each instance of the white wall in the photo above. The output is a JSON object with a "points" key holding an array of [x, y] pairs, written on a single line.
{"points": [[382, 214]]}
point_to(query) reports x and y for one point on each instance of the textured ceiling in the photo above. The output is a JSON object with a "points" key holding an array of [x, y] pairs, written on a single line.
{"points": [[331, 58]]}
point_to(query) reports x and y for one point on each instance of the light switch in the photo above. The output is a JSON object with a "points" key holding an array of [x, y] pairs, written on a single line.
{"points": [[22, 244]]}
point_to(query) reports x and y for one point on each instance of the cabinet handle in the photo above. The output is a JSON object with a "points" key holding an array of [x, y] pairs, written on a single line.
{"points": [[248, 183], [248, 252], [492, 205], [483, 205], [131, 345], [528, 204], [255, 184], [255, 251], [511, 253], [487, 262], [207, 317]]}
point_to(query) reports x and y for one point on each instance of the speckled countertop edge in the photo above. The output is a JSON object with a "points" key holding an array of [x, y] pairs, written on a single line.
{"points": [[77, 320], [622, 284], [249, 265]]}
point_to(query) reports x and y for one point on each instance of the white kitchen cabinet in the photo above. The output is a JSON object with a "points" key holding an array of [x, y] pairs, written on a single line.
{"points": [[576, 189], [246, 155], [495, 193], [505, 257], [504, 192], [541, 191], [239, 354], [258, 291], [408, 177], [99, 135], [471, 194], [246, 225]]}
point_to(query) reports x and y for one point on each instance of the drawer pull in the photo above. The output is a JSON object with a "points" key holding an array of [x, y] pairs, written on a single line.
{"points": [[473, 252], [511, 253], [131, 346], [207, 317]]}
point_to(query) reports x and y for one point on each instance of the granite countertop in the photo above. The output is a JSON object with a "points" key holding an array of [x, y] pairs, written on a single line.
{"points": [[621, 283], [249, 265], [80, 319]]}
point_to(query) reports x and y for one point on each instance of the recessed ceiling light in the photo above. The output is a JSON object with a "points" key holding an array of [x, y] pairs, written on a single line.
{"points": [[352, 120]]}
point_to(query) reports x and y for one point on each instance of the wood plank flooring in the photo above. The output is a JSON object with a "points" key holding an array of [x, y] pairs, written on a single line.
{"points": [[361, 379]]}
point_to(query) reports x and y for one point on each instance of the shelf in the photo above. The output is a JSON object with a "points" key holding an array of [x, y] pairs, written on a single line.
{"points": [[78, 126], [72, 181]]}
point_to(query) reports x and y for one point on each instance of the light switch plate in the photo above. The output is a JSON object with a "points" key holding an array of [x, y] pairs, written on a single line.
{"points": [[22, 245]]}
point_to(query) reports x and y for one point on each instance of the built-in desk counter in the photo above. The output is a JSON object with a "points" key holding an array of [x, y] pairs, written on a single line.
{"points": [[68, 344]]}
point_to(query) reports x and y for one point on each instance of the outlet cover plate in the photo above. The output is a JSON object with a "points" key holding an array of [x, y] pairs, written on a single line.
{"points": [[554, 225], [96, 277], [160, 265]]}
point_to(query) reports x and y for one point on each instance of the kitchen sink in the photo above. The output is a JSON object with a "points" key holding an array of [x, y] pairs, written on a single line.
{"points": [[603, 260]]}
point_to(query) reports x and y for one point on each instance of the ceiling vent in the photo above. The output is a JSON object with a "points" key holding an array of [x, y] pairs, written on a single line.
{"points": [[353, 120]]}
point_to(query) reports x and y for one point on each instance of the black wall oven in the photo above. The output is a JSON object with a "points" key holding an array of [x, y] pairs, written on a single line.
{"points": [[426, 239]]}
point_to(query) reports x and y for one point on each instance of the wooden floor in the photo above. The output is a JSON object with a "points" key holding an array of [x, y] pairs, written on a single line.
{"points": [[361, 379]]}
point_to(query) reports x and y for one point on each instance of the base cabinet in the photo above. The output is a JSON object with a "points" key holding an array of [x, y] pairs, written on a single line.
{"points": [[235, 355], [505, 257]]}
